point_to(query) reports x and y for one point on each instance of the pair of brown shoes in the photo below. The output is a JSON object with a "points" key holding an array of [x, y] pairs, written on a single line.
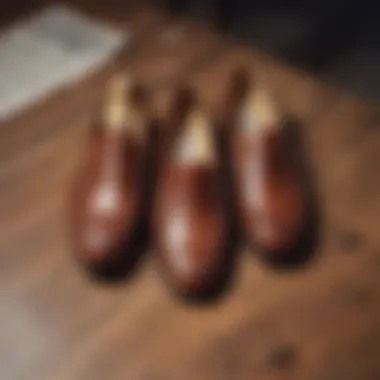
{"points": [[190, 204]]}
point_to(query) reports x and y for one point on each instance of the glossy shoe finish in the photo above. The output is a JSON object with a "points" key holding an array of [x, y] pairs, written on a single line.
{"points": [[270, 193], [191, 219], [110, 191]]}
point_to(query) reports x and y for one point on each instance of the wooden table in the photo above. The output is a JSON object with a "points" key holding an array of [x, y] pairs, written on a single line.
{"points": [[317, 322]]}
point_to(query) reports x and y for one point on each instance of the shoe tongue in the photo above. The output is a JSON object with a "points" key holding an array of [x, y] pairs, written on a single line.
{"points": [[120, 114], [259, 112], [195, 144]]}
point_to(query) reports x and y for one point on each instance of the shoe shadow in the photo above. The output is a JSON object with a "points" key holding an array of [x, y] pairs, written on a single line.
{"points": [[304, 251]]}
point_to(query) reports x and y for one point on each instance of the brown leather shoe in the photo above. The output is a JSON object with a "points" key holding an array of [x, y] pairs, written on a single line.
{"points": [[191, 218], [270, 194], [110, 193]]}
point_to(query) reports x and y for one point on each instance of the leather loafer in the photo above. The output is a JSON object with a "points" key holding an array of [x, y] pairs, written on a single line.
{"points": [[110, 194], [271, 197], [191, 218]]}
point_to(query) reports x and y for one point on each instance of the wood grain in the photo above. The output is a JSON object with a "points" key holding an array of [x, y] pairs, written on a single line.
{"points": [[316, 322]]}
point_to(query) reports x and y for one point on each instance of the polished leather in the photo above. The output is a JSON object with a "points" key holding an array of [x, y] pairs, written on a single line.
{"points": [[190, 221], [107, 200], [269, 191], [269, 187], [110, 194]]}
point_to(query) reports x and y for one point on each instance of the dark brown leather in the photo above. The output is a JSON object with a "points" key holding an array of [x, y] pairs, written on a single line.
{"points": [[112, 173], [270, 195], [190, 223], [269, 188], [110, 197]]}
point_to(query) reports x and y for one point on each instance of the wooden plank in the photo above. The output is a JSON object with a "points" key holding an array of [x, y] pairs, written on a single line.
{"points": [[312, 323]]}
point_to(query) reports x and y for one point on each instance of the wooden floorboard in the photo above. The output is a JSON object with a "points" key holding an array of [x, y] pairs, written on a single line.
{"points": [[318, 322]]}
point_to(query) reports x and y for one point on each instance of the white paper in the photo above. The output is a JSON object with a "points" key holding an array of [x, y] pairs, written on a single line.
{"points": [[51, 49]]}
